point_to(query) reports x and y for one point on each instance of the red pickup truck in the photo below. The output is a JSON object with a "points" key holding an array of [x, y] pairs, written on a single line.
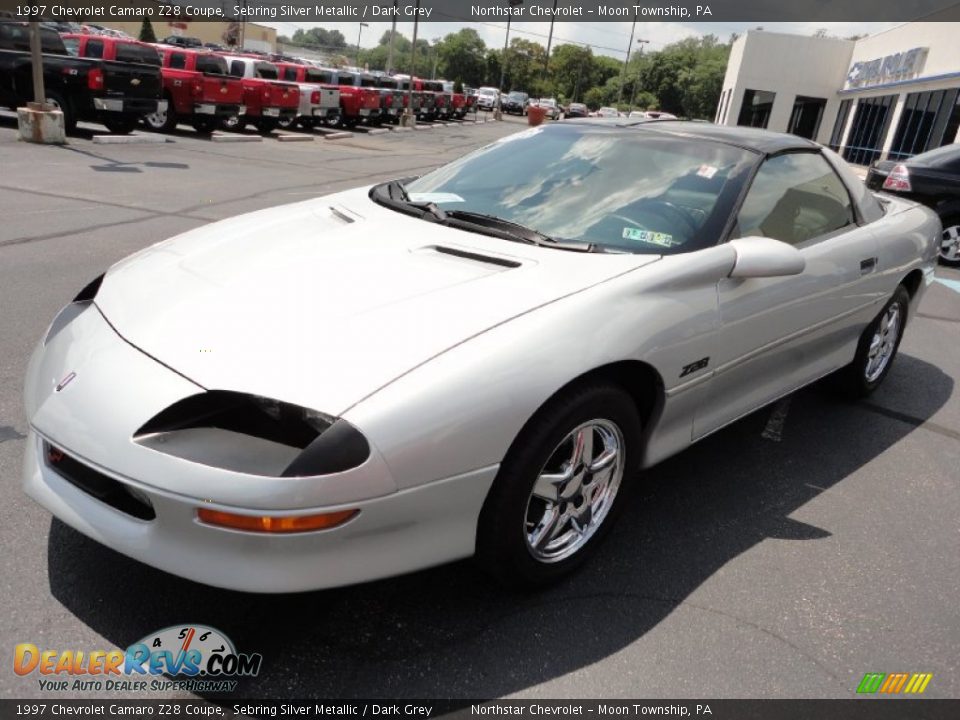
{"points": [[197, 89], [359, 98], [458, 101], [266, 98]]}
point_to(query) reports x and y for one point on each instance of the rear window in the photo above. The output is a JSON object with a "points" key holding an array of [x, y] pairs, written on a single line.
{"points": [[319, 76], [267, 71], [178, 60], [94, 49], [237, 68], [368, 82], [387, 83], [16, 36], [72, 45], [290, 74], [211, 65], [135, 53]]}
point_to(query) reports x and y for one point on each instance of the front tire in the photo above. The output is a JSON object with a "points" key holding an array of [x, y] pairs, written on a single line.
{"points": [[60, 102], [877, 348], [560, 487], [949, 252]]}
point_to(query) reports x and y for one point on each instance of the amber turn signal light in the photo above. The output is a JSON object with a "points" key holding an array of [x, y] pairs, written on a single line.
{"points": [[267, 524]]}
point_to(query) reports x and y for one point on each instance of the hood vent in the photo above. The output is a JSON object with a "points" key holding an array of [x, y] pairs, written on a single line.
{"points": [[475, 256]]}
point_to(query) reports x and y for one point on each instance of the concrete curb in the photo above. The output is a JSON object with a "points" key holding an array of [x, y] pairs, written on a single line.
{"points": [[294, 137], [135, 139], [401, 129], [377, 131], [337, 135], [230, 137], [423, 127]]}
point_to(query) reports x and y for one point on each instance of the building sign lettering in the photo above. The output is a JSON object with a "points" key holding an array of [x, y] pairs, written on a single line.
{"points": [[887, 69]]}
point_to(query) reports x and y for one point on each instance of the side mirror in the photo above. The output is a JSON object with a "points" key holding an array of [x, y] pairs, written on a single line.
{"points": [[759, 257]]}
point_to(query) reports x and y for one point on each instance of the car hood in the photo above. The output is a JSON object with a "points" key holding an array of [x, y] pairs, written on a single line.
{"points": [[323, 302]]}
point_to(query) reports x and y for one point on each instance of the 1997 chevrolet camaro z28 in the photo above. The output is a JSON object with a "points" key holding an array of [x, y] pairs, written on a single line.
{"points": [[467, 363]]}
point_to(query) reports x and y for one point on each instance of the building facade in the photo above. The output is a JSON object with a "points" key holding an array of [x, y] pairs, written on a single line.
{"points": [[891, 95]]}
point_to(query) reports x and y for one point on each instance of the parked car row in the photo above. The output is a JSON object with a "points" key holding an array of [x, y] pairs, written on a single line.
{"points": [[119, 81]]}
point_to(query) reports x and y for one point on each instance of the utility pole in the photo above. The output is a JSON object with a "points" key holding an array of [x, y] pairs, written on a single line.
{"points": [[633, 94], [498, 112], [546, 62], [36, 59], [623, 73]]}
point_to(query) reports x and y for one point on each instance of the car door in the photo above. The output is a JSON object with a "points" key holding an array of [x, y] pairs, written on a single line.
{"points": [[777, 334]]}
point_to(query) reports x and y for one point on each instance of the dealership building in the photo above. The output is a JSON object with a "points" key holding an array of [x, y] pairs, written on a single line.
{"points": [[886, 96]]}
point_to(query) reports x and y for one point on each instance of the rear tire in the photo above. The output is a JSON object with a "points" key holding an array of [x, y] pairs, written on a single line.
{"points": [[59, 102], [949, 251], [267, 125], [550, 505], [877, 348], [120, 124], [205, 125], [162, 122]]}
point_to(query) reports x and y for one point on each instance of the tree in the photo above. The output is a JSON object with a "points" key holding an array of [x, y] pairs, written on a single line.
{"points": [[146, 31], [461, 55], [321, 38], [231, 36]]}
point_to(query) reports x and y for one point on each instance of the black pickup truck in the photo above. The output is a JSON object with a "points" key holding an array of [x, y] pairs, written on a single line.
{"points": [[116, 94]]}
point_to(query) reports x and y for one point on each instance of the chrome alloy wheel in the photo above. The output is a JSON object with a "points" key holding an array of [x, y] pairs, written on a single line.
{"points": [[950, 244], [157, 120], [574, 491], [884, 342]]}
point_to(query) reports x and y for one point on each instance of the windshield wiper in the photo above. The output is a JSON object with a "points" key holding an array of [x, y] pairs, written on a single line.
{"points": [[518, 232], [395, 195]]}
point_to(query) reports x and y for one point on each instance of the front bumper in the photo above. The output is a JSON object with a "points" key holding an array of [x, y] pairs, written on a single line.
{"points": [[403, 532], [116, 387]]}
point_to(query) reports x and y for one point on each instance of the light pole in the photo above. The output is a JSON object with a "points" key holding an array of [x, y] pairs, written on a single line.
{"points": [[359, 33], [393, 35], [498, 113], [408, 119], [623, 73], [633, 94]]}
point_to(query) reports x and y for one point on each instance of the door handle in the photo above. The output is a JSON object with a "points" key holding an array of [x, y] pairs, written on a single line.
{"points": [[868, 265]]}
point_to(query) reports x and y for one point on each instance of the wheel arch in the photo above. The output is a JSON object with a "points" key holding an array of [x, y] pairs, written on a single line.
{"points": [[912, 281], [640, 380]]}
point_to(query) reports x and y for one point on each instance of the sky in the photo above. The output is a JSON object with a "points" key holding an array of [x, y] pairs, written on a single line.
{"points": [[606, 38]]}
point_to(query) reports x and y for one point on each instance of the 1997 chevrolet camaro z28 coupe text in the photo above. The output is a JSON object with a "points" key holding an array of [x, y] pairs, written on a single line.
{"points": [[394, 377]]}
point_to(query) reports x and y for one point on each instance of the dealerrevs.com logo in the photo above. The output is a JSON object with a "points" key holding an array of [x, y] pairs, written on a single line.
{"points": [[197, 658]]}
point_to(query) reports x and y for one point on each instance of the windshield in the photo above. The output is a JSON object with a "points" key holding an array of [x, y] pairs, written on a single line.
{"points": [[628, 190], [484, 91]]}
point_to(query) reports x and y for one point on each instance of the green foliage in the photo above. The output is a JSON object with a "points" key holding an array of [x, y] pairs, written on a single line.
{"points": [[320, 38], [146, 32], [684, 78]]}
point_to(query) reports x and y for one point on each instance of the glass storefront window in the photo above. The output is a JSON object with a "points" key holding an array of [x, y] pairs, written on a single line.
{"points": [[756, 107], [806, 116], [868, 131], [837, 135], [928, 120]]}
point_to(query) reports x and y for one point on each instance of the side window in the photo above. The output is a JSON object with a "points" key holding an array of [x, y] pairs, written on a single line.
{"points": [[290, 74], [795, 197], [236, 68], [94, 49], [178, 61]]}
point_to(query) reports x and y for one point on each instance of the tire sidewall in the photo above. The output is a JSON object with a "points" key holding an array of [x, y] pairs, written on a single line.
{"points": [[862, 385], [501, 542]]}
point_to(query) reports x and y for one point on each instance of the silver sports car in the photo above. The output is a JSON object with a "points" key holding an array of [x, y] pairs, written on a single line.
{"points": [[398, 376]]}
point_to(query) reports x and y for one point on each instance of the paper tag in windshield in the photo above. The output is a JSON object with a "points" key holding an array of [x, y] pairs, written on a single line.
{"points": [[648, 236], [435, 197], [707, 171]]}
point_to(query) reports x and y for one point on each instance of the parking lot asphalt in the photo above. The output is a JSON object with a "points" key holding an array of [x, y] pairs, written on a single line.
{"points": [[770, 560]]}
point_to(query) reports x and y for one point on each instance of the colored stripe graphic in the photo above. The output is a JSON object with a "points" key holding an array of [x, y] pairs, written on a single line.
{"points": [[894, 683]]}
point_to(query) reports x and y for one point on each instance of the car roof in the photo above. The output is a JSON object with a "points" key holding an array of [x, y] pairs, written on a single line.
{"points": [[750, 138]]}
